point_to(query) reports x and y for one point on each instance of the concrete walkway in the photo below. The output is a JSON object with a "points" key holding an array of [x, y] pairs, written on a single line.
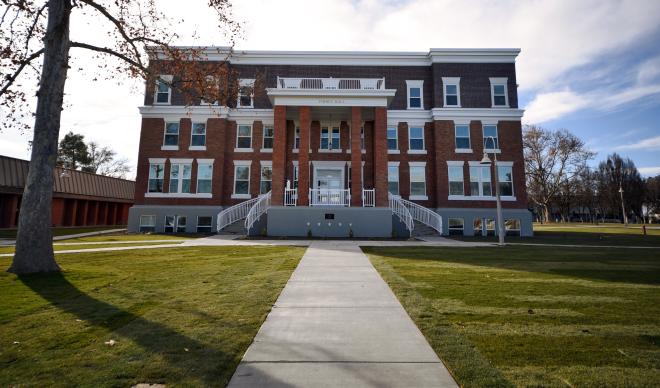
{"points": [[338, 324]]}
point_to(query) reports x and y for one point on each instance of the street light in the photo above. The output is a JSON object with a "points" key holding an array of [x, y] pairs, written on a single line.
{"points": [[616, 167], [486, 161]]}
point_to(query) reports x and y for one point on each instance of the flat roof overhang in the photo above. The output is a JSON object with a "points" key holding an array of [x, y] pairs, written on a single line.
{"points": [[330, 97]]}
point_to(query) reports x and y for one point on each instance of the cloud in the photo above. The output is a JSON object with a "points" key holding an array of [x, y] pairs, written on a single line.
{"points": [[649, 171], [649, 144], [549, 106]]}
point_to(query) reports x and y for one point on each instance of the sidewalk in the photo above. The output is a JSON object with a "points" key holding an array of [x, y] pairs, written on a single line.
{"points": [[337, 324]]}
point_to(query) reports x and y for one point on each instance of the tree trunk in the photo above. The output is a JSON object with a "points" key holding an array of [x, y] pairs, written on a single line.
{"points": [[546, 213], [34, 242]]}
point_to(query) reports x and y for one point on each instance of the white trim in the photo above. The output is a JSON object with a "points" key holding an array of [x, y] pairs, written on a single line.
{"points": [[394, 117], [418, 197], [240, 196], [504, 164], [417, 164], [244, 121], [332, 151], [415, 84], [393, 163], [330, 97], [395, 152], [463, 151], [451, 81], [157, 160], [479, 198], [166, 78], [205, 161], [266, 150], [455, 163], [462, 121], [178, 195], [489, 122], [493, 151], [499, 81], [169, 148], [242, 83], [266, 163], [243, 149], [242, 162], [181, 161], [197, 148], [416, 152], [348, 163], [483, 114]]}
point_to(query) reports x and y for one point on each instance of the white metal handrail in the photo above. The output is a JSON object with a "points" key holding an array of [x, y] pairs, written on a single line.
{"points": [[401, 211], [290, 197], [368, 197], [260, 207], [234, 213], [426, 216], [331, 83], [332, 197]]}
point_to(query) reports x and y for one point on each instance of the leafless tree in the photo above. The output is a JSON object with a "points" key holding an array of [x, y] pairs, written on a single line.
{"points": [[104, 162], [38, 30]]}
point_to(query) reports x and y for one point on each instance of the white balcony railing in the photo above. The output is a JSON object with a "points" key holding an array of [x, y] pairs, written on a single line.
{"points": [[290, 197], [331, 197], [331, 83], [234, 213], [368, 197], [402, 212], [426, 216], [260, 207]]}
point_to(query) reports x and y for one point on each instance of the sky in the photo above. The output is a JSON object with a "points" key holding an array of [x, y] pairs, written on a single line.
{"points": [[589, 66]]}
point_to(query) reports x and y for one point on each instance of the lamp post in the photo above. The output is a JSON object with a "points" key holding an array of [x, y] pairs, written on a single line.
{"points": [[486, 161], [614, 167]]}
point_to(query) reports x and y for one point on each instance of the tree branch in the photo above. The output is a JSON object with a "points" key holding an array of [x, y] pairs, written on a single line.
{"points": [[112, 52], [11, 78]]}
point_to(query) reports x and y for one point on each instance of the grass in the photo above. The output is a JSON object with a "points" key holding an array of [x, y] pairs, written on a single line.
{"points": [[132, 237], [57, 247], [533, 316], [180, 317], [11, 233], [582, 234]]}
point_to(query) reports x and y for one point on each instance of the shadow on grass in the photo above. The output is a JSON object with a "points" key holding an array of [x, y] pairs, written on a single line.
{"points": [[210, 364], [618, 265], [574, 238]]}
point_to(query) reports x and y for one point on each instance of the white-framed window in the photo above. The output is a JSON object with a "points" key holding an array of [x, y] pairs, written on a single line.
{"points": [[330, 137], [198, 135], [163, 92], [204, 224], [241, 179], [452, 91], [416, 138], [266, 181], [417, 180], [393, 178], [462, 135], [175, 224], [505, 178], [171, 136], [296, 139], [156, 176], [295, 176], [512, 227], [415, 94], [455, 225], [147, 223], [480, 182], [204, 177], [244, 137], [269, 135], [491, 141], [180, 177], [245, 97], [211, 91], [392, 138], [455, 173], [498, 92]]}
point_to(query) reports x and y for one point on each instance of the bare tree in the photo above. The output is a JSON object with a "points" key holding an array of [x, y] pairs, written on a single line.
{"points": [[552, 158], [104, 162], [33, 30]]}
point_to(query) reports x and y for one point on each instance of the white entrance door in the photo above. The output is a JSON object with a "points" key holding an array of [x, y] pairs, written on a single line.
{"points": [[329, 187], [329, 178]]}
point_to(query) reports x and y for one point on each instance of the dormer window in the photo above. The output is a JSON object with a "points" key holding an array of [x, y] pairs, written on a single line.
{"points": [[415, 92], [245, 93], [498, 92], [451, 89], [163, 94]]}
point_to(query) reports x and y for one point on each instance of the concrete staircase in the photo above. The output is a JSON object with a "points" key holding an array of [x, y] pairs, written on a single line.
{"points": [[422, 230], [236, 229]]}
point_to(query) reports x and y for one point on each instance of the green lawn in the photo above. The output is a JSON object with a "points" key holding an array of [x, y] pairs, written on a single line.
{"points": [[11, 233], [180, 317], [582, 234], [131, 237], [533, 316], [57, 247]]}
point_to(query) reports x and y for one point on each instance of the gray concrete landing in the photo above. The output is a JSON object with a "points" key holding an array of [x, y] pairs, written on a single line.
{"points": [[338, 324]]}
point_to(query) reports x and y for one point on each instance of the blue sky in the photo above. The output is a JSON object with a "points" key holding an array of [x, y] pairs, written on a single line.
{"points": [[590, 66]]}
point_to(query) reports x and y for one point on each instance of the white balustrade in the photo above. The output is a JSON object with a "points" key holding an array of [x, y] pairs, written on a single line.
{"points": [[260, 207], [331, 83], [401, 211], [426, 216], [234, 213], [332, 197], [368, 197], [290, 197]]}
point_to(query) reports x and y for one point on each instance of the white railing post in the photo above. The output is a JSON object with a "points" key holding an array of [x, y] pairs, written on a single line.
{"points": [[425, 216], [331, 83], [260, 207], [290, 197], [368, 197], [402, 212]]}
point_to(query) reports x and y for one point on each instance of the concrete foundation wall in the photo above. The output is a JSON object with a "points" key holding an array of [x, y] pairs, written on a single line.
{"points": [[469, 215], [298, 221], [160, 211]]}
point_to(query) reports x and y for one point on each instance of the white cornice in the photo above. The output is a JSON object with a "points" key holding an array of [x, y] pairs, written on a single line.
{"points": [[497, 114], [329, 97]]}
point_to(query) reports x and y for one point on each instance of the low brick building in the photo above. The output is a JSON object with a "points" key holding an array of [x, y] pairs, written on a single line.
{"points": [[79, 198], [332, 130]]}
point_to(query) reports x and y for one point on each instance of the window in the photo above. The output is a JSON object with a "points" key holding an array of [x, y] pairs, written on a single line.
{"points": [[393, 179], [171, 134], [491, 142], [175, 224], [417, 181], [295, 177], [266, 179], [211, 91], [455, 226], [245, 93], [242, 180], [462, 137], [296, 140], [416, 138], [244, 137], [415, 90], [452, 91], [147, 223], [392, 138], [156, 174], [455, 180], [163, 90], [484, 227], [478, 227], [498, 91], [330, 138], [198, 138], [480, 181], [204, 224], [512, 227], [269, 132], [180, 177], [505, 178], [204, 177]]}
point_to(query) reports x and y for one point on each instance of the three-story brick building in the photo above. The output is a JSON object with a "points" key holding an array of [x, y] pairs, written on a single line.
{"points": [[336, 143]]}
